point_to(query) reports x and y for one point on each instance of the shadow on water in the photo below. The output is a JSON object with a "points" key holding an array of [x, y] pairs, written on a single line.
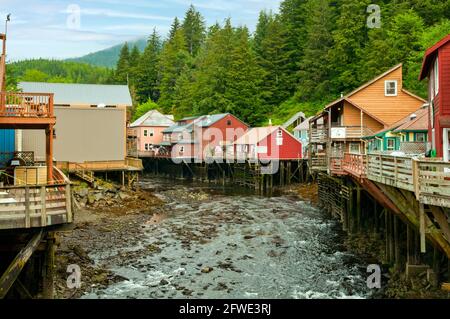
{"points": [[228, 242]]}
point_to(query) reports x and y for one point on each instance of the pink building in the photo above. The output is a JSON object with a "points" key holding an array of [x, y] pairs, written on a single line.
{"points": [[147, 131]]}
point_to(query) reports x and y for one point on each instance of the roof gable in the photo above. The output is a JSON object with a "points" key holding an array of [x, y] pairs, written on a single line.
{"points": [[153, 118], [429, 56]]}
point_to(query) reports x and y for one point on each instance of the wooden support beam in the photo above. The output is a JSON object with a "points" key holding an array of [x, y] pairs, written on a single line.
{"points": [[14, 269], [422, 226], [49, 267], [441, 219]]}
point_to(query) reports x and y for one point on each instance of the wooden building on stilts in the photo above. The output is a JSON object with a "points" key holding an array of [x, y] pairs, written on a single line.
{"points": [[35, 196], [402, 197]]}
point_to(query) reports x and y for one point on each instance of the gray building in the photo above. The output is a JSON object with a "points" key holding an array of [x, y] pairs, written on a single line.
{"points": [[90, 122]]}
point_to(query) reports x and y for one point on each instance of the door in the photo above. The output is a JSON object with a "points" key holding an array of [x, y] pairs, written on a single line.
{"points": [[7, 146]]}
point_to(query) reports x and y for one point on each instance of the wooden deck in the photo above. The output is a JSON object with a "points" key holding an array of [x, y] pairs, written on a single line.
{"points": [[128, 164], [33, 206], [26, 110]]}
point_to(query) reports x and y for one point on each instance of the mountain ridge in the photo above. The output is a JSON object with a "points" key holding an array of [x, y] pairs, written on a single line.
{"points": [[108, 57]]}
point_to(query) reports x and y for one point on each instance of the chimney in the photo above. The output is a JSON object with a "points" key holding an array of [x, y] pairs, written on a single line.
{"points": [[413, 116]]}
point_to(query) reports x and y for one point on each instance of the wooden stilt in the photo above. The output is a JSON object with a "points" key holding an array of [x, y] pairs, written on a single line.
{"points": [[48, 286]]}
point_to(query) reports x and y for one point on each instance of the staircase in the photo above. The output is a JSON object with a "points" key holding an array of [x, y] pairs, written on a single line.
{"points": [[84, 174]]}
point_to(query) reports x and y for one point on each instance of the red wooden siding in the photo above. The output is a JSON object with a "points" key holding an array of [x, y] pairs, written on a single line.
{"points": [[291, 148]]}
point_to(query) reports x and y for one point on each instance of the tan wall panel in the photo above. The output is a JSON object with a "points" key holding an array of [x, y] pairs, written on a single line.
{"points": [[82, 135]]}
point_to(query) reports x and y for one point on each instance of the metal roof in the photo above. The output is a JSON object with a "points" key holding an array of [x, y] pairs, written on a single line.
{"points": [[294, 118], [200, 121], [153, 118], [83, 94], [303, 126]]}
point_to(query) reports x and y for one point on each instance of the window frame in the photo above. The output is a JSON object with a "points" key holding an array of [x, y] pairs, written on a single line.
{"points": [[389, 139], [352, 151], [145, 133], [386, 83], [416, 137]]}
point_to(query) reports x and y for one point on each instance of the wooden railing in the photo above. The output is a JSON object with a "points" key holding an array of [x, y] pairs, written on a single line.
{"points": [[354, 132], [319, 134], [336, 165], [27, 157], [35, 206], [134, 163], [26, 104], [318, 162], [355, 164], [391, 170], [432, 182], [2, 71]]}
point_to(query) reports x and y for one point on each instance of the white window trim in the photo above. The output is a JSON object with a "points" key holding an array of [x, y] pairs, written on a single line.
{"points": [[446, 145], [386, 87], [436, 76]]}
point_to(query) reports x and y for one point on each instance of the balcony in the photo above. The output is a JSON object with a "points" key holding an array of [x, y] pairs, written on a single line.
{"points": [[350, 132], [26, 109], [319, 135]]}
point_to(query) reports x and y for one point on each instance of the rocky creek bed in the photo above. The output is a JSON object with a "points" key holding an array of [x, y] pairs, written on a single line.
{"points": [[181, 240]]}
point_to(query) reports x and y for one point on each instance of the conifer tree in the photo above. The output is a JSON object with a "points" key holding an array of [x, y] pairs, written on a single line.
{"points": [[194, 30], [147, 71], [123, 66]]}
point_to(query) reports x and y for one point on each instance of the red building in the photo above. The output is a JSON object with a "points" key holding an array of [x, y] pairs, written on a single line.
{"points": [[436, 67], [268, 143], [204, 136]]}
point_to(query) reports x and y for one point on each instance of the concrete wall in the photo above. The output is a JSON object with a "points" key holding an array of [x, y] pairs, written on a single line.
{"points": [[82, 135]]}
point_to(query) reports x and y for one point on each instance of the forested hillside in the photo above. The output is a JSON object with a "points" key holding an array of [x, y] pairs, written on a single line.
{"points": [[306, 55], [299, 59], [41, 70], [108, 57]]}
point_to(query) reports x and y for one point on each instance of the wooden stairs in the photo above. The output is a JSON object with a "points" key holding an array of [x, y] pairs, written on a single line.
{"points": [[84, 174]]}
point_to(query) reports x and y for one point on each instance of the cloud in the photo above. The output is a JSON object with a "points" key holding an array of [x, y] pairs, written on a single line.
{"points": [[118, 14]]}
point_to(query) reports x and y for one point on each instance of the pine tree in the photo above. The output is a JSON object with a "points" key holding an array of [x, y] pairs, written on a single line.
{"points": [[194, 30], [174, 28], [173, 60], [349, 38], [314, 74], [123, 66], [147, 72], [273, 57]]}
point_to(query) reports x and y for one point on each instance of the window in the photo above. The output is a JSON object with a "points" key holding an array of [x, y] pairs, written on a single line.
{"points": [[229, 122], [420, 137], [280, 133], [390, 144], [181, 149], [152, 133], [436, 77], [145, 133], [146, 147], [390, 88], [180, 137], [355, 148]]}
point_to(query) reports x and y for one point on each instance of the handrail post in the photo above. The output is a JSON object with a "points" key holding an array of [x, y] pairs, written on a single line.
{"points": [[416, 179]]}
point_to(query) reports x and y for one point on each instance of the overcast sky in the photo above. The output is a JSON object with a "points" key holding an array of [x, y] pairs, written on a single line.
{"points": [[51, 28]]}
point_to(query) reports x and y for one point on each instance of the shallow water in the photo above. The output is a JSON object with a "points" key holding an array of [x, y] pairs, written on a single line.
{"points": [[216, 242]]}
